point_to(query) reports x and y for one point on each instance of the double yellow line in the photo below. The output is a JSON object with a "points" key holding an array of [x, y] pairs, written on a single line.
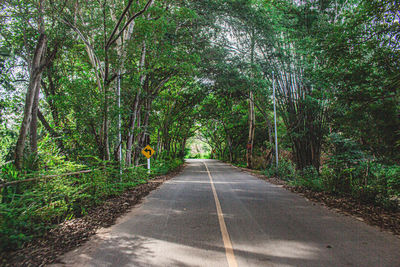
{"points": [[230, 256]]}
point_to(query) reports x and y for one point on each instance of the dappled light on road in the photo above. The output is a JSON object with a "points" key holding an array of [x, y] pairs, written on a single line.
{"points": [[178, 225]]}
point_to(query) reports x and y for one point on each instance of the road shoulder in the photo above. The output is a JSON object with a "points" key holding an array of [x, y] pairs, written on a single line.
{"points": [[385, 221]]}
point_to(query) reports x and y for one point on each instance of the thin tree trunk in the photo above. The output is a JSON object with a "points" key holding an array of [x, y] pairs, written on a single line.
{"points": [[50, 93], [104, 142], [230, 148], [34, 122], [143, 136], [183, 146], [129, 143], [136, 151], [250, 141], [158, 144]]}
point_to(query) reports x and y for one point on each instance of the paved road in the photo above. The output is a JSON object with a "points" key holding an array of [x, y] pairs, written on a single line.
{"points": [[214, 215]]}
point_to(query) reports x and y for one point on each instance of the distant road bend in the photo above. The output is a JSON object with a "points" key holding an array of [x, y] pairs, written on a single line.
{"points": [[214, 215]]}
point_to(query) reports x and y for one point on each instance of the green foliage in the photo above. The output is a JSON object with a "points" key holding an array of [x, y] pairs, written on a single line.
{"points": [[361, 71], [373, 183], [197, 149], [309, 178], [347, 162], [286, 170], [29, 209], [335, 63], [350, 172], [7, 140], [162, 167], [381, 185]]}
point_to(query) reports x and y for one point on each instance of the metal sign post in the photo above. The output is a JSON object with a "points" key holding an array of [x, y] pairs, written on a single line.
{"points": [[276, 131], [148, 152], [119, 122]]}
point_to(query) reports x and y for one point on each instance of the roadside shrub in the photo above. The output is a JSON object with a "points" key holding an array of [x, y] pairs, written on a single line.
{"points": [[382, 185], [309, 178], [350, 171], [393, 180], [285, 170], [162, 167], [241, 165], [14, 225], [347, 162], [328, 178]]}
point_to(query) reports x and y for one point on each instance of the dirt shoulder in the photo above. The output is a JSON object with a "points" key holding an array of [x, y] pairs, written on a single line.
{"points": [[75, 232], [376, 216]]}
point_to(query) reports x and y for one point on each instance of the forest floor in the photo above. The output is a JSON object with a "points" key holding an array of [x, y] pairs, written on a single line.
{"points": [[75, 232], [385, 220]]}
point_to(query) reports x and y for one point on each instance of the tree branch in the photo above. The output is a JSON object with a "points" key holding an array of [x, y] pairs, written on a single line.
{"points": [[112, 40]]}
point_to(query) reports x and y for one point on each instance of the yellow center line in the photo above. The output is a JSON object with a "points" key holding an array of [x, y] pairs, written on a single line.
{"points": [[230, 256]]}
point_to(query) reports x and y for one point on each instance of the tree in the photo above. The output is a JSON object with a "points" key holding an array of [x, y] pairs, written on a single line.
{"points": [[37, 64]]}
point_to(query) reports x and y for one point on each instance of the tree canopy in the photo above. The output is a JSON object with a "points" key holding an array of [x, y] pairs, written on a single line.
{"points": [[84, 82]]}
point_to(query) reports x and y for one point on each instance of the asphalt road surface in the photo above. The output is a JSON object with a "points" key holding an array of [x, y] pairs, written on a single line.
{"points": [[214, 215]]}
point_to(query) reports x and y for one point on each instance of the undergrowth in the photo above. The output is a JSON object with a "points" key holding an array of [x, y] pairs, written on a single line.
{"points": [[348, 171], [27, 210]]}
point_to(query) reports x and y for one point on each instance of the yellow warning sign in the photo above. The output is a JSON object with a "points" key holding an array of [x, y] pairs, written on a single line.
{"points": [[148, 151]]}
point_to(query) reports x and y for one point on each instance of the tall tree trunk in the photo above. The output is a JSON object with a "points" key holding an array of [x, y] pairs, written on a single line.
{"points": [[269, 124], [183, 146], [105, 151], [142, 139], [137, 139], [34, 82], [132, 123], [230, 148], [50, 92], [104, 141], [250, 141], [158, 144], [129, 143]]}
